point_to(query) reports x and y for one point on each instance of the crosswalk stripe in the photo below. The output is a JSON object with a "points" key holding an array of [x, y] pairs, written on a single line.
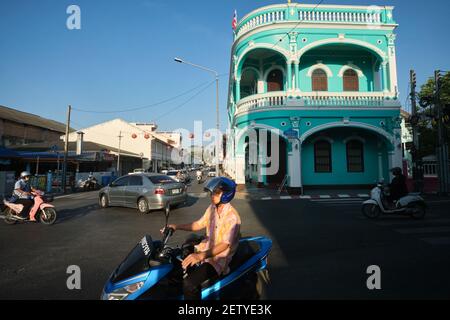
{"points": [[343, 196], [363, 195], [423, 230], [325, 197], [266, 198], [305, 197], [285, 197], [409, 222]]}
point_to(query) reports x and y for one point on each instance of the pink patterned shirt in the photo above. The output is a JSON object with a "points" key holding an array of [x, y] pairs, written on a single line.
{"points": [[223, 228]]}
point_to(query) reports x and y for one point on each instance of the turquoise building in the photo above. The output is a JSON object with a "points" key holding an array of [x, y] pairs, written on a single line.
{"points": [[319, 84]]}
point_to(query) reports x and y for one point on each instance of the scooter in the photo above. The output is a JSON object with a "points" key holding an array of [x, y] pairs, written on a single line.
{"points": [[411, 205], [42, 211], [153, 271]]}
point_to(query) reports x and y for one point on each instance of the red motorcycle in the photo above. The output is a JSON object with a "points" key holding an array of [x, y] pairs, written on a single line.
{"points": [[41, 211]]}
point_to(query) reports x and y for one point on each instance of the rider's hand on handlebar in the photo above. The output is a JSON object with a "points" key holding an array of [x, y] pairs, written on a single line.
{"points": [[171, 226]]}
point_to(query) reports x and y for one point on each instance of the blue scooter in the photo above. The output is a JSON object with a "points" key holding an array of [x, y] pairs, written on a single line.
{"points": [[152, 271]]}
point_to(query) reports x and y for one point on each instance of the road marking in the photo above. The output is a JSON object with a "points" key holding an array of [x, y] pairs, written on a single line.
{"points": [[343, 196], [325, 197], [266, 198], [437, 241], [363, 195], [407, 221], [305, 197], [423, 230], [285, 197]]}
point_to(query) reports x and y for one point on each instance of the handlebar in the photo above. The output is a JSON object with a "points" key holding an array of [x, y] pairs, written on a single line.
{"points": [[168, 232]]}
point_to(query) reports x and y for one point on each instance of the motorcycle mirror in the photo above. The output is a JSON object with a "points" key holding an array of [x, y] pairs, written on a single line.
{"points": [[167, 213]]}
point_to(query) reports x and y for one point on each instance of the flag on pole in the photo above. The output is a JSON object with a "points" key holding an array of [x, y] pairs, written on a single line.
{"points": [[234, 23]]}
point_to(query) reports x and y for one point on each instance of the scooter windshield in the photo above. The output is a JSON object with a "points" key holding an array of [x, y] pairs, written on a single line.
{"points": [[136, 262]]}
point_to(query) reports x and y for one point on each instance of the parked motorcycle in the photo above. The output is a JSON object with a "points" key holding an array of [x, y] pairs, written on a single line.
{"points": [[412, 205], [42, 210], [153, 271]]}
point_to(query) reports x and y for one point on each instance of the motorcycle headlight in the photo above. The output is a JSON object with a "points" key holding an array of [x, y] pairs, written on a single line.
{"points": [[123, 293]]}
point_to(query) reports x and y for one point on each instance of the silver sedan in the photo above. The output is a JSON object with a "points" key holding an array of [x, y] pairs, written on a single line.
{"points": [[145, 192]]}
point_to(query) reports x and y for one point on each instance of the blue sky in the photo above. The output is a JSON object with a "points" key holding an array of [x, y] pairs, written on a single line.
{"points": [[123, 55]]}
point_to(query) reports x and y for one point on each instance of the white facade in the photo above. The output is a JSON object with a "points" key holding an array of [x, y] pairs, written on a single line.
{"points": [[135, 140]]}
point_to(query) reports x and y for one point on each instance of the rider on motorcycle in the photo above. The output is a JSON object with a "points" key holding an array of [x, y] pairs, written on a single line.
{"points": [[397, 188], [213, 255], [23, 194]]}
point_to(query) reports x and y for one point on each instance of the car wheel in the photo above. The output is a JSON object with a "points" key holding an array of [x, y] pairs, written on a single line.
{"points": [[143, 206], [104, 203]]}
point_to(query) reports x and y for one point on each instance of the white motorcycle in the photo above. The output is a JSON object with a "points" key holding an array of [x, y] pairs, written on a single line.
{"points": [[412, 205]]}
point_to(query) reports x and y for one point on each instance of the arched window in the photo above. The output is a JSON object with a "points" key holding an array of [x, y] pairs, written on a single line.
{"points": [[355, 156], [249, 83], [275, 81], [351, 80], [319, 80], [322, 157]]}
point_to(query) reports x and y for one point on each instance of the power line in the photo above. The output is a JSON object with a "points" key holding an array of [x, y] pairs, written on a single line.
{"points": [[186, 102], [295, 27], [144, 107]]}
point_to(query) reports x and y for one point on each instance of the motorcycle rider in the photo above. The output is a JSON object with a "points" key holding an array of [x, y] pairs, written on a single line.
{"points": [[397, 188], [213, 255], [199, 174], [22, 191]]}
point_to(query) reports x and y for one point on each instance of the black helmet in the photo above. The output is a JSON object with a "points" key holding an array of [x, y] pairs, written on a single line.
{"points": [[396, 171], [227, 186]]}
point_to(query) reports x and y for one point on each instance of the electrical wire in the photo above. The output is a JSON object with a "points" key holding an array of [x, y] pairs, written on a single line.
{"points": [[295, 27], [184, 103], [144, 107]]}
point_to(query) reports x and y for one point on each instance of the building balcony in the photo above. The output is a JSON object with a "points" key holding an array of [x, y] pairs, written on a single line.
{"points": [[323, 14], [294, 99]]}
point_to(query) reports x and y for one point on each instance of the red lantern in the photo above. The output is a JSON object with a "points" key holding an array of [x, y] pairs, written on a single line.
{"points": [[191, 136], [134, 135], [147, 136]]}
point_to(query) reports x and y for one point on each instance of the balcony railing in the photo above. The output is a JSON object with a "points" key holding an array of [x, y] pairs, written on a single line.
{"points": [[310, 14], [274, 100]]}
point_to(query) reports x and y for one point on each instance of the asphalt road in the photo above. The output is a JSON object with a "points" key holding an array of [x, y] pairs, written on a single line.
{"points": [[321, 248]]}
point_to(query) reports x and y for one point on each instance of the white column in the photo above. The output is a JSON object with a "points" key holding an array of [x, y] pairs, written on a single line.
{"points": [[261, 169], [294, 165], [240, 169], [393, 70], [380, 167], [385, 77], [261, 86], [397, 157]]}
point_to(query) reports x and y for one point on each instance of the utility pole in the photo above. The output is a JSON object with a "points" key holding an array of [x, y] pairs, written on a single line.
{"points": [[442, 147], [118, 156], [66, 150], [416, 163]]}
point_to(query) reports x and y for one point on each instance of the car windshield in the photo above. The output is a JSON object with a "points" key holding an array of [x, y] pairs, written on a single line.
{"points": [[160, 179]]}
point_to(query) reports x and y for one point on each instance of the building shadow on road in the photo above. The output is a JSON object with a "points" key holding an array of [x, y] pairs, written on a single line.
{"points": [[76, 213]]}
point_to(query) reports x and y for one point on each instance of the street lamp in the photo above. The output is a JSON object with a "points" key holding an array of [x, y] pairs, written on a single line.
{"points": [[216, 74]]}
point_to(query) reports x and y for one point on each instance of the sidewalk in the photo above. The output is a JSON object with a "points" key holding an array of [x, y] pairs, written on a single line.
{"points": [[252, 192]]}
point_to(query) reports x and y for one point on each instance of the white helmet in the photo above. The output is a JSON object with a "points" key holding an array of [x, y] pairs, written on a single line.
{"points": [[25, 174]]}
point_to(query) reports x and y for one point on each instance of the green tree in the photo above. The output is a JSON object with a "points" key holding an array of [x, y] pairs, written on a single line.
{"points": [[428, 126]]}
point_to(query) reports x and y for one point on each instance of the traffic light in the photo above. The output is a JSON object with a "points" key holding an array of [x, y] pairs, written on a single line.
{"points": [[413, 79], [438, 79]]}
